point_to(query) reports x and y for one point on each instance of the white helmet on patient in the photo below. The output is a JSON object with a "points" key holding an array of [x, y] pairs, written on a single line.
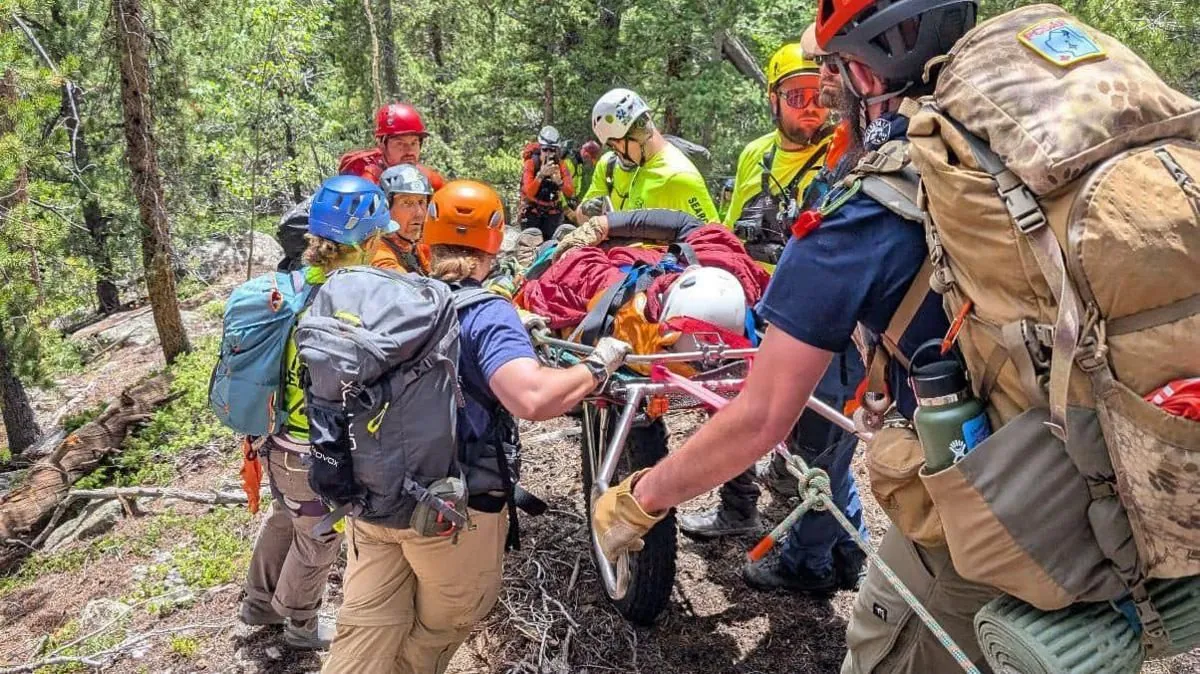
{"points": [[615, 113], [709, 294]]}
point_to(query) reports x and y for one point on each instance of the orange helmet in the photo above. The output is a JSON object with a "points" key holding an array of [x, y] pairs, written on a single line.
{"points": [[466, 213]]}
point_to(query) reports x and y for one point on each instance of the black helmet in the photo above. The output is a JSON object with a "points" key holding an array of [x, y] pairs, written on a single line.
{"points": [[292, 228], [879, 33]]}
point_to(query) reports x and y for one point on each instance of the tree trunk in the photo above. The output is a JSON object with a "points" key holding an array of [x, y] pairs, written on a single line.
{"points": [[49, 479], [19, 422], [107, 297], [147, 183], [387, 52], [548, 99], [436, 52], [672, 122], [289, 146]]}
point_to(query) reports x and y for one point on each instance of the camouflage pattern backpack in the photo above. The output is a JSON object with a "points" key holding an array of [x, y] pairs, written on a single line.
{"points": [[1061, 179]]}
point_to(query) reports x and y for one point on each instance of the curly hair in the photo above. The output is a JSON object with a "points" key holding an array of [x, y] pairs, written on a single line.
{"points": [[324, 253], [454, 263]]}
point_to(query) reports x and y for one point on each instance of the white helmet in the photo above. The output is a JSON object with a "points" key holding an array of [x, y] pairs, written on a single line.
{"points": [[548, 137], [615, 112], [708, 294]]}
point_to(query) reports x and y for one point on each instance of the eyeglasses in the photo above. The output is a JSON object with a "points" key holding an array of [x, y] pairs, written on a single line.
{"points": [[801, 97]]}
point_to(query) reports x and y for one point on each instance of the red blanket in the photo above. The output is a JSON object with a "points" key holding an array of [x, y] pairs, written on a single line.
{"points": [[563, 292]]}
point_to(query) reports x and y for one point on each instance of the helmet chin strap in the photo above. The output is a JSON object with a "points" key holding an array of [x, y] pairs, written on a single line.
{"points": [[865, 102]]}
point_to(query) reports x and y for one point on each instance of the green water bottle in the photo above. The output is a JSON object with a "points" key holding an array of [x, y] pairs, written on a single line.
{"points": [[950, 421]]}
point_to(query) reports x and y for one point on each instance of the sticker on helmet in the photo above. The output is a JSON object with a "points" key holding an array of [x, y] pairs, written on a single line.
{"points": [[1062, 42]]}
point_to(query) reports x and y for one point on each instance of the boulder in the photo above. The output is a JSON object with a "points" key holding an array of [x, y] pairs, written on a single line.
{"points": [[100, 612], [97, 517], [213, 259]]}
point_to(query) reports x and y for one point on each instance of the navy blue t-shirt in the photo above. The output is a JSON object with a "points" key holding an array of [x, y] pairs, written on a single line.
{"points": [[491, 336], [856, 267]]}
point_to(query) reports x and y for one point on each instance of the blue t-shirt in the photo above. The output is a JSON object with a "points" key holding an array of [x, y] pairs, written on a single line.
{"points": [[856, 267], [491, 336]]}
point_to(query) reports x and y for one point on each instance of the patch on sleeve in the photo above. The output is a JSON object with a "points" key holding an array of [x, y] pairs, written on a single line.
{"points": [[1062, 42]]}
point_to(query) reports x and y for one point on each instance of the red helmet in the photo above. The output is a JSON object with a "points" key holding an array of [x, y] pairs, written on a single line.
{"points": [[398, 119], [590, 151], [874, 32]]}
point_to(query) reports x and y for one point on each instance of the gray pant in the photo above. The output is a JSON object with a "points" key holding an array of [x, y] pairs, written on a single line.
{"points": [[885, 636], [290, 565]]}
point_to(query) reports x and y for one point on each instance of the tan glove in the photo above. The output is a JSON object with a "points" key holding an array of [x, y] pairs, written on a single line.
{"points": [[609, 353], [618, 520], [590, 233], [531, 321]]}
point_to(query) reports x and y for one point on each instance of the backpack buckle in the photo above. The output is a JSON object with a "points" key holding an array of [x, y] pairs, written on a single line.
{"points": [[1023, 208]]}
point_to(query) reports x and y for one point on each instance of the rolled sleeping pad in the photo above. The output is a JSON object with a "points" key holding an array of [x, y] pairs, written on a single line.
{"points": [[1091, 638]]}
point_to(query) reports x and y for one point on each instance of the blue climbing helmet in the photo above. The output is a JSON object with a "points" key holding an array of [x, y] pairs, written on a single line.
{"points": [[348, 210]]}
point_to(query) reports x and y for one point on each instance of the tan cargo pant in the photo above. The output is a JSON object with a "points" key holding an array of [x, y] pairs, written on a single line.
{"points": [[885, 636], [290, 565], [411, 600]]}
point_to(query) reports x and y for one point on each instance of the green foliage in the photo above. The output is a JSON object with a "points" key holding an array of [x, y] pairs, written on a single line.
{"points": [[184, 647], [73, 421], [183, 424], [70, 632], [210, 550]]}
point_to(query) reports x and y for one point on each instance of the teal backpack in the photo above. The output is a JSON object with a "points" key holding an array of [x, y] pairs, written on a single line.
{"points": [[246, 387]]}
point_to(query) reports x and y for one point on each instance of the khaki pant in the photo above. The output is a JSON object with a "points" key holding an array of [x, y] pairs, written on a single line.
{"points": [[290, 565], [885, 636], [411, 600]]}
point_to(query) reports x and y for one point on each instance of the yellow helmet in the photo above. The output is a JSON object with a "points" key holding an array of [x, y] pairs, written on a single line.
{"points": [[788, 61]]}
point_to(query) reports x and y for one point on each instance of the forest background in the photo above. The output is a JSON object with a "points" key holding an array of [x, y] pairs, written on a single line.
{"points": [[132, 130]]}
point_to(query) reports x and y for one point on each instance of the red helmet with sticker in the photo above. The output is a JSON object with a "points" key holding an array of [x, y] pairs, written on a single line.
{"points": [[398, 119], [894, 38]]}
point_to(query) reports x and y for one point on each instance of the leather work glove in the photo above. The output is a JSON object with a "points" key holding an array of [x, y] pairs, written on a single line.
{"points": [[609, 353], [591, 233], [531, 321], [618, 520], [593, 207]]}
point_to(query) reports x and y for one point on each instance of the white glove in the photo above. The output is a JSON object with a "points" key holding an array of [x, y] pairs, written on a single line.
{"points": [[610, 354]]}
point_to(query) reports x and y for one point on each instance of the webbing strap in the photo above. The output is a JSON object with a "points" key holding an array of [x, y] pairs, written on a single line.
{"points": [[913, 298], [1012, 342], [1144, 320], [1030, 220]]}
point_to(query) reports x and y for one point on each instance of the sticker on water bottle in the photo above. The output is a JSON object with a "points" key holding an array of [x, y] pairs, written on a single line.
{"points": [[976, 430]]}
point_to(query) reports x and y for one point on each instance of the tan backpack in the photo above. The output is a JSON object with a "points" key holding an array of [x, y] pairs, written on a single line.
{"points": [[1061, 178]]}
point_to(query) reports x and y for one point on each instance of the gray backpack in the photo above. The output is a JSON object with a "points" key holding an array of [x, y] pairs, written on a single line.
{"points": [[380, 351]]}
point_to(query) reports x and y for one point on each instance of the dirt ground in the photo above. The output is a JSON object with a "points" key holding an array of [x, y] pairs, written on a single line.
{"points": [[552, 617]]}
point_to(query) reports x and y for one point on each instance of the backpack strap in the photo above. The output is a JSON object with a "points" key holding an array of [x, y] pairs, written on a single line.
{"points": [[597, 318], [609, 167], [408, 257], [887, 176], [879, 355]]}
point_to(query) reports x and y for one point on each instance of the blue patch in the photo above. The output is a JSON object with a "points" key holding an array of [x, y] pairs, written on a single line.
{"points": [[1061, 41]]}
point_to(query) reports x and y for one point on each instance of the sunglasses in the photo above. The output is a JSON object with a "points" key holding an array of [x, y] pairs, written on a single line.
{"points": [[800, 98]]}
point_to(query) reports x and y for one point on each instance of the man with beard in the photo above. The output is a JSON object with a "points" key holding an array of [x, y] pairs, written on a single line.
{"points": [[399, 135], [856, 260], [818, 557], [775, 169]]}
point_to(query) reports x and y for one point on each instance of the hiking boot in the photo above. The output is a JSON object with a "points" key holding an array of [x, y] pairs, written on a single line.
{"points": [[769, 575], [313, 634], [527, 244], [777, 479], [850, 567], [257, 616], [718, 522], [563, 230]]}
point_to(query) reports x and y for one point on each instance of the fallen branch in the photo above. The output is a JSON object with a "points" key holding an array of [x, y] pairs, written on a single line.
{"points": [[49, 479], [105, 657], [210, 497], [551, 436]]}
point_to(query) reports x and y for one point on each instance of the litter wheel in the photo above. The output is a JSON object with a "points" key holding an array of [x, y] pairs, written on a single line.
{"points": [[644, 587]]}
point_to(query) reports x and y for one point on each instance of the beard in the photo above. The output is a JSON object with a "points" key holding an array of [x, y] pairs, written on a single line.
{"points": [[849, 107], [801, 133]]}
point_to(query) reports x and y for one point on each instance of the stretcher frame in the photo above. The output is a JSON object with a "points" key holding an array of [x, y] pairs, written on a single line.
{"points": [[724, 372]]}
